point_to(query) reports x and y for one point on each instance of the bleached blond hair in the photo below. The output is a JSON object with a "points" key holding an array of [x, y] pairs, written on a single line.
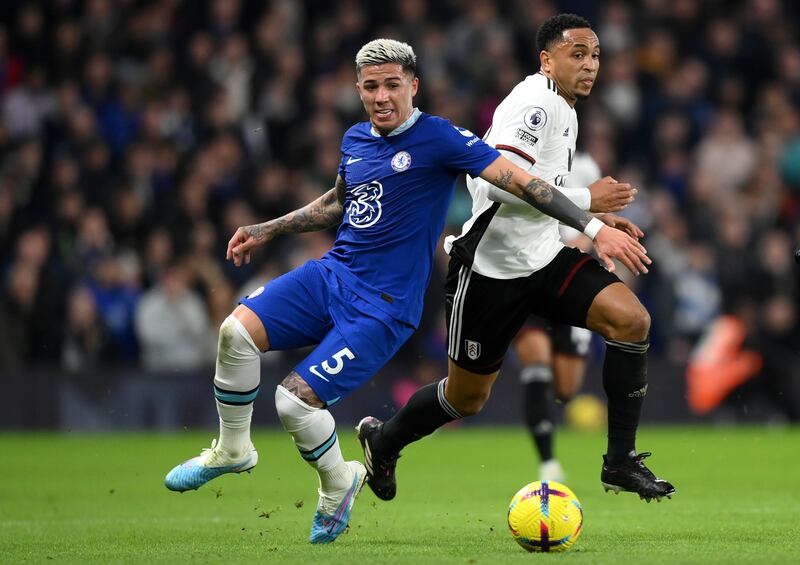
{"points": [[380, 51]]}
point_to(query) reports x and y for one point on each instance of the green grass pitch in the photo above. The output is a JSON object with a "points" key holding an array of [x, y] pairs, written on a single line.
{"points": [[100, 498]]}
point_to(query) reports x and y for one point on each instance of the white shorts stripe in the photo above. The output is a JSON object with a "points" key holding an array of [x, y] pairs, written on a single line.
{"points": [[457, 314], [454, 312]]}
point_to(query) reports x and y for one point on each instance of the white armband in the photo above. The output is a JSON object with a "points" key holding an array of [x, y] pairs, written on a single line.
{"points": [[592, 228]]}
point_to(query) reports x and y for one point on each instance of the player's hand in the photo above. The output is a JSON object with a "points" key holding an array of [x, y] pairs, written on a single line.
{"points": [[608, 195], [245, 239], [622, 224], [616, 244]]}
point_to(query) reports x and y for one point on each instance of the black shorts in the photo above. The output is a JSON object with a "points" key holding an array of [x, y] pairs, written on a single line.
{"points": [[567, 340], [484, 314]]}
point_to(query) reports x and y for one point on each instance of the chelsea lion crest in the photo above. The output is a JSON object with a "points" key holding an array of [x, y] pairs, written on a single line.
{"points": [[401, 161]]}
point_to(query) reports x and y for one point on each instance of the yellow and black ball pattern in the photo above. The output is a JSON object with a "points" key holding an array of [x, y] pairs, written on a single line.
{"points": [[545, 516]]}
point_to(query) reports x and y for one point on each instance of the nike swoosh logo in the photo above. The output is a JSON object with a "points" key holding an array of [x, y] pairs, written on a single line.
{"points": [[350, 160]]}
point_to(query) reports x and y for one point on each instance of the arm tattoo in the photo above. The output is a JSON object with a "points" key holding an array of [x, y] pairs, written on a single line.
{"points": [[341, 188], [503, 179], [295, 384], [323, 213], [554, 203]]}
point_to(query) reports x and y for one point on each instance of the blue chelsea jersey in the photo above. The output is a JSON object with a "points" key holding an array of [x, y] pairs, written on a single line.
{"points": [[398, 190]]}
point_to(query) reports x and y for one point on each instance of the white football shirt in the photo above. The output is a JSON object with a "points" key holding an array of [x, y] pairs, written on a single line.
{"points": [[506, 237]]}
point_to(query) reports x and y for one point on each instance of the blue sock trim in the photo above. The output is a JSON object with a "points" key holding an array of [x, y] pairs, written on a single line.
{"points": [[235, 398], [320, 450]]}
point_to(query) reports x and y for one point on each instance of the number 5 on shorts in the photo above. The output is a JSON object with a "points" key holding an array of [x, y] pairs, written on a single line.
{"points": [[338, 363]]}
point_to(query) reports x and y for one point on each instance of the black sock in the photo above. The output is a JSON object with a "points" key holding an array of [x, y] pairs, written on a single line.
{"points": [[538, 382], [625, 383], [426, 411]]}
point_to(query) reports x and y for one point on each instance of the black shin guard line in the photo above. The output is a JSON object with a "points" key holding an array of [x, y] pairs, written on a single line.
{"points": [[425, 412], [625, 384]]}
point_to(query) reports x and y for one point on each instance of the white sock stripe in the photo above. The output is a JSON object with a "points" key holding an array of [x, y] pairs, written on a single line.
{"points": [[627, 346], [536, 374], [629, 350], [446, 406], [460, 315]]}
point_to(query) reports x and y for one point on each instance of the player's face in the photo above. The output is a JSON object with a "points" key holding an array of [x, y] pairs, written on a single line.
{"points": [[387, 92], [573, 63]]}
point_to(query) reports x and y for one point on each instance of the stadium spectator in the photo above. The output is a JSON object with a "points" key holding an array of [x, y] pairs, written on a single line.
{"points": [[172, 325], [86, 343]]}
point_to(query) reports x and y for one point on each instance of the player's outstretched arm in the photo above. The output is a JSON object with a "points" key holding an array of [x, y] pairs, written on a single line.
{"points": [[609, 243], [605, 195], [609, 195], [324, 212]]}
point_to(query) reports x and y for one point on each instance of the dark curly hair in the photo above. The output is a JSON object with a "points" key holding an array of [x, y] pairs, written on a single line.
{"points": [[553, 27]]}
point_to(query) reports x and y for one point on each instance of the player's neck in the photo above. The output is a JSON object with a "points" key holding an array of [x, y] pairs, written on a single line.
{"points": [[571, 100], [409, 121]]}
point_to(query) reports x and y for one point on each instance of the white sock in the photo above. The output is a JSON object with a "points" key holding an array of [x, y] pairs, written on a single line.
{"points": [[314, 434], [236, 385]]}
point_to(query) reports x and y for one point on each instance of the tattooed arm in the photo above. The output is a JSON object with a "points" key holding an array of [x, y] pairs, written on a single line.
{"points": [[609, 243], [324, 212], [538, 193]]}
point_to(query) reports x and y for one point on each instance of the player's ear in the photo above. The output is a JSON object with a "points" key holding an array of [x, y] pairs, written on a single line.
{"points": [[414, 86], [544, 60]]}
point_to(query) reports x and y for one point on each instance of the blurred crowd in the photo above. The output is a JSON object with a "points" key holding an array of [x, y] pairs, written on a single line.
{"points": [[135, 136]]}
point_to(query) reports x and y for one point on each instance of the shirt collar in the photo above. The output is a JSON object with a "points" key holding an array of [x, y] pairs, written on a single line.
{"points": [[412, 119]]}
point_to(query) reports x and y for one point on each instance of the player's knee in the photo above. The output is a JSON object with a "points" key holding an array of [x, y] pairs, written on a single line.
{"points": [[564, 396], [533, 346], [564, 392], [292, 411], [639, 324], [632, 325], [471, 404], [238, 363], [235, 346]]}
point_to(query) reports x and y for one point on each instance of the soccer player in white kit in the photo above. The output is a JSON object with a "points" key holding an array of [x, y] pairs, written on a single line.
{"points": [[509, 262]]}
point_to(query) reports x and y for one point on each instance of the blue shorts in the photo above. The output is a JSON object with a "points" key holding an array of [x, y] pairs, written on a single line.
{"points": [[310, 306]]}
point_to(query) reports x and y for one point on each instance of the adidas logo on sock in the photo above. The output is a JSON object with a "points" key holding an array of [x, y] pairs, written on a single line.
{"points": [[638, 393]]}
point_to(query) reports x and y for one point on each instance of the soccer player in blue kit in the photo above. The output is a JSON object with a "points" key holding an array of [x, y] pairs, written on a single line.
{"points": [[362, 300]]}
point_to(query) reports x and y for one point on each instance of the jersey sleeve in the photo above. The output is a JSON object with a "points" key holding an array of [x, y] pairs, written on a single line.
{"points": [[463, 151], [343, 150], [526, 126]]}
